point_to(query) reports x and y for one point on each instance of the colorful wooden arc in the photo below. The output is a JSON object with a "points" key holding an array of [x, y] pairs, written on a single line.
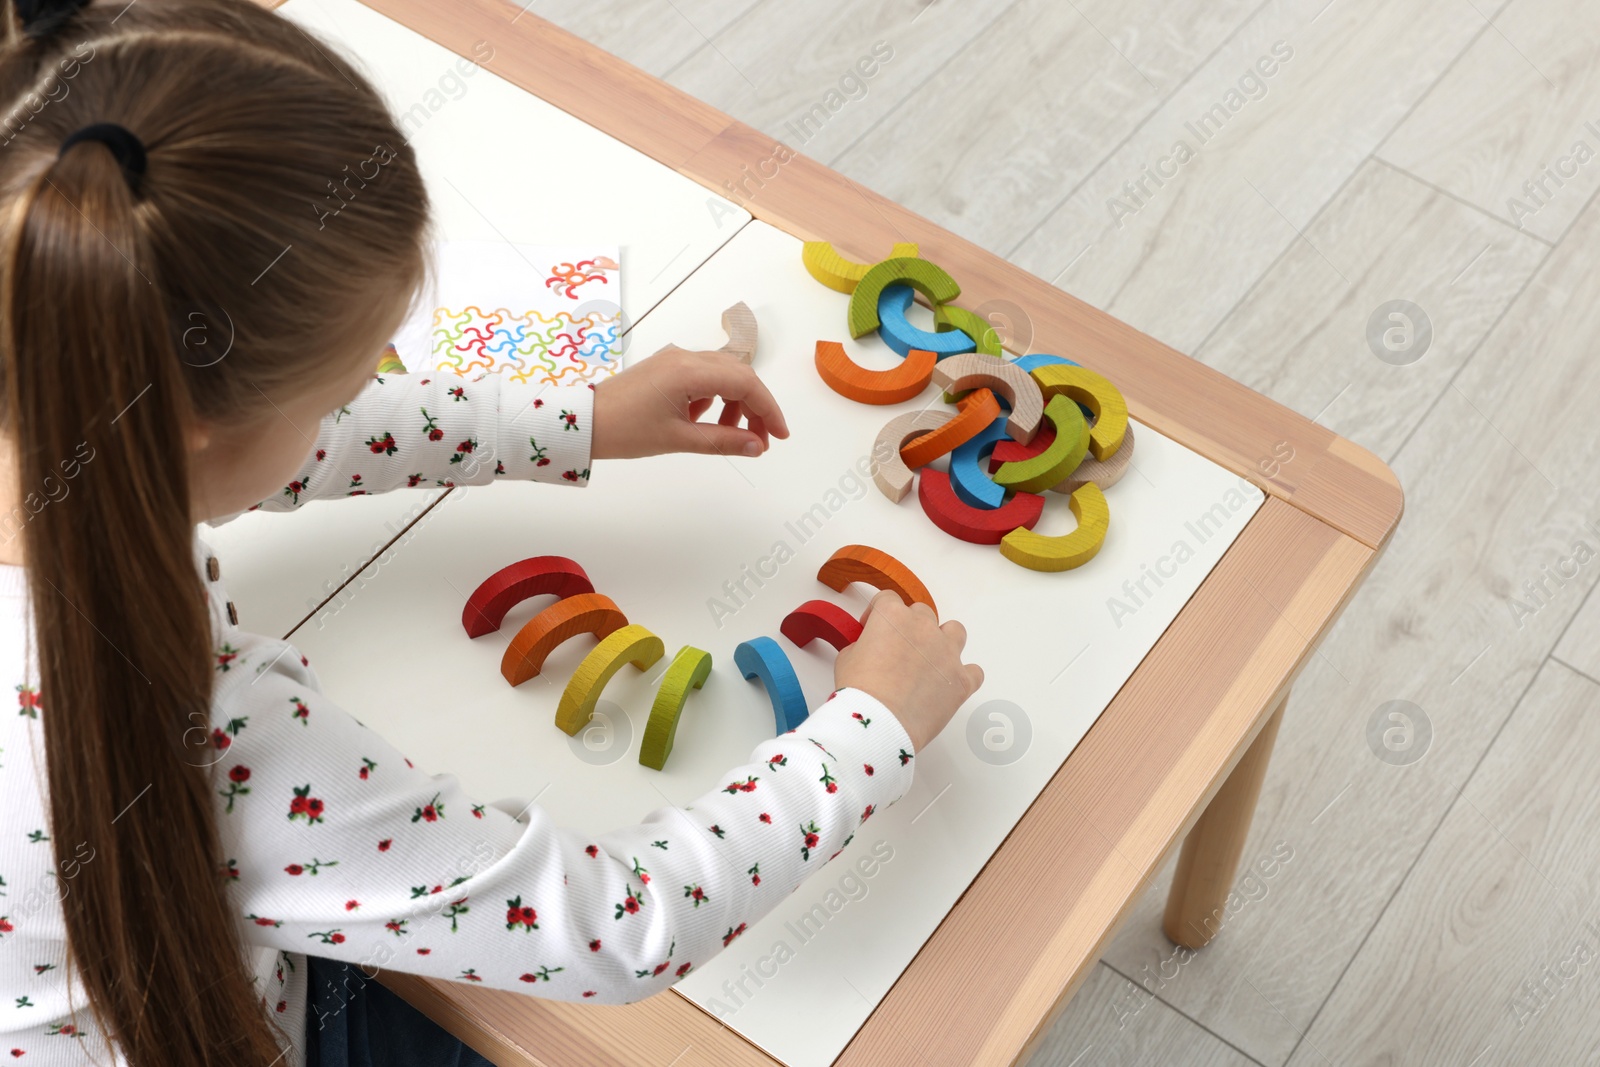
{"points": [[689, 669], [968, 478], [975, 411], [1009, 451], [925, 277], [760, 657], [824, 619], [1066, 451], [831, 269], [631, 644], [899, 334], [958, 374], [874, 567], [981, 526], [984, 336], [509, 586], [584, 613], [1102, 472], [1104, 401], [739, 323], [850, 379], [890, 473], [1043, 553]]}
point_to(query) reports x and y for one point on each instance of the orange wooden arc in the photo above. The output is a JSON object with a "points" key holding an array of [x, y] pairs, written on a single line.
{"points": [[850, 379], [874, 567], [974, 411], [585, 613]]}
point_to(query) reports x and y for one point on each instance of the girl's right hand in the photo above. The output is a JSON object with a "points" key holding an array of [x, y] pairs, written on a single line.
{"points": [[911, 663]]}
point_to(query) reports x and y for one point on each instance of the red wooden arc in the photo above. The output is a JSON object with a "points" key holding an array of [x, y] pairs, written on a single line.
{"points": [[824, 619], [1013, 451], [509, 586], [981, 526], [592, 613]]}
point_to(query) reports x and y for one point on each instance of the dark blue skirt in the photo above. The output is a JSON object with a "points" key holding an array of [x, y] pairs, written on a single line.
{"points": [[354, 1021]]}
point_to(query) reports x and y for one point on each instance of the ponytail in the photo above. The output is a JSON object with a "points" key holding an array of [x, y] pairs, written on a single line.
{"points": [[124, 669], [107, 244]]}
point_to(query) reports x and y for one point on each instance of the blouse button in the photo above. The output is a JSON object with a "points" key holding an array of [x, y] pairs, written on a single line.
{"points": [[213, 569], [233, 613]]}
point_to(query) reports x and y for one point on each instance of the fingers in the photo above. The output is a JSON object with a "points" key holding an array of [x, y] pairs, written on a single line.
{"points": [[878, 600], [733, 411], [957, 634], [758, 426], [709, 438], [718, 374], [974, 675]]}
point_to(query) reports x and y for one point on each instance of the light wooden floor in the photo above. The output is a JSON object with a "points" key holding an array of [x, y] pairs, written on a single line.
{"points": [[1442, 912]]}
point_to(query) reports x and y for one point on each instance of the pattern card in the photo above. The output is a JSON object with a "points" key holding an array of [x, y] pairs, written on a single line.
{"points": [[533, 313]]}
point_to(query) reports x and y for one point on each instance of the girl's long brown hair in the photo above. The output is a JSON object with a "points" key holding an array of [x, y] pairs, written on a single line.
{"points": [[264, 223]]}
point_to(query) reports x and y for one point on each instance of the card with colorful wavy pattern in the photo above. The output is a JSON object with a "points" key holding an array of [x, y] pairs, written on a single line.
{"points": [[533, 313]]}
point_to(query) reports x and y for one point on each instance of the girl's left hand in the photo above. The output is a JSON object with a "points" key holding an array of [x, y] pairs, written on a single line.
{"points": [[653, 408]]}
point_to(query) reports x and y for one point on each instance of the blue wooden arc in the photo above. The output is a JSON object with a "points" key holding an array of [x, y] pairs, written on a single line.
{"points": [[898, 333], [760, 657]]}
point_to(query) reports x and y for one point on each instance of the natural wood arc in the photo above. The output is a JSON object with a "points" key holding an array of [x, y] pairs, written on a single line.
{"points": [[1209, 860], [739, 323], [971, 370], [1330, 478], [1049, 900], [892, 477]]}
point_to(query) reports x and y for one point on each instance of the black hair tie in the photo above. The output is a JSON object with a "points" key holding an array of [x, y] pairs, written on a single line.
{"points": [[42, 18], [128, 149]]}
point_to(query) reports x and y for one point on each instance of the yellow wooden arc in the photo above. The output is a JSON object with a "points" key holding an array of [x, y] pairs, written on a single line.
{"points": [[831, 269], [1039, 552], [630, 644], [689, 670], [1094, 392]]}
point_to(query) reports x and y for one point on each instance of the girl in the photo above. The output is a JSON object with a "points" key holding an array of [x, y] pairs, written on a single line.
{"points": [[196, 840]]}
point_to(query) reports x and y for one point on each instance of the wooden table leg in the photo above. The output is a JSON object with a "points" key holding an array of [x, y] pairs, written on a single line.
{"points": [[1210, 856]]}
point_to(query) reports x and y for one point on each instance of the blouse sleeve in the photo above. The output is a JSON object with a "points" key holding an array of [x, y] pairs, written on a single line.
{"points": [[424, 430], [338, 846]]}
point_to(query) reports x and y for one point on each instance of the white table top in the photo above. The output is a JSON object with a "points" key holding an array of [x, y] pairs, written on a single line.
{"points": [[661, 536], [501, 165]]}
